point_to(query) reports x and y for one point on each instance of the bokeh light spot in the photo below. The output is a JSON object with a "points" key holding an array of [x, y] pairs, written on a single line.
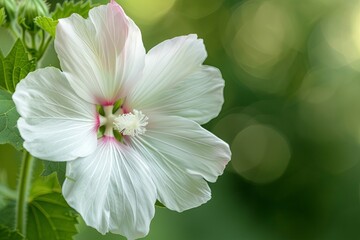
{"points": [[262, 35], [260, 153], [237, 121], [147, 12], [200, 8], [341, 44]]}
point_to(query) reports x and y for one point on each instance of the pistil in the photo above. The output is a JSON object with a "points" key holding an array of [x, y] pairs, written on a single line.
{"points": [[108, 121]]}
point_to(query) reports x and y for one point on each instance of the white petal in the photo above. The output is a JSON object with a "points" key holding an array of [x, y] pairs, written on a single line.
{"points": [[55, 123], [165, 66], [188, 145], [198, 96], [180, 154], [112, 190], [100, 55]]}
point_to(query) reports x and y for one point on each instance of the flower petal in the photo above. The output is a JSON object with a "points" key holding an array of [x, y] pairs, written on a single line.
{"points": [[180, 154], [55, 123], [165, 66], [112, 190], [198, 96], [188, 145], [100, 55], [176, 189]]}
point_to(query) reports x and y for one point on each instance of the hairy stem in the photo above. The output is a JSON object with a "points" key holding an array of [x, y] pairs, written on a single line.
{"points": [[23, 192]]}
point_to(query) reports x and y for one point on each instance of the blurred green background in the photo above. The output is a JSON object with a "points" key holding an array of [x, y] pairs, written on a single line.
{"points": [[291, 116]]}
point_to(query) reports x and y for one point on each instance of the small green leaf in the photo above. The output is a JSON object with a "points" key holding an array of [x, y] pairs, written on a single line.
{"points": [[8, 119], [63, 11], [47, 24], [2, 16], [49, 216], [69, 7], [159, 204], [16, 66], [58, 167], [9, 234]]}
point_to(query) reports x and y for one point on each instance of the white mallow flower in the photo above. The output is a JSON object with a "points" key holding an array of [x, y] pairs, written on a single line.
{"points": [[159, 152]]}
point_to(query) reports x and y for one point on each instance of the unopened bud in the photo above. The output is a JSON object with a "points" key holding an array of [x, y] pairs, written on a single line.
{"points": [[10, 10], [30, 9]]}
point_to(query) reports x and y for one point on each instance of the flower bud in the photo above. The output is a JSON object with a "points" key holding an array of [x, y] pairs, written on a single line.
{"points": [[10, 10], [30, 9]]}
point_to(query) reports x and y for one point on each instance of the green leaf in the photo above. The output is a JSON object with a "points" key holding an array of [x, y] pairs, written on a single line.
{"points": [[8, 234], [47, 24], [63, 11], [8, 119], [69, 7], [6, 193], [2, 72], [9, 212], [58, 167], [2, 16], [49, 216], [16, 66], [159, 204]]}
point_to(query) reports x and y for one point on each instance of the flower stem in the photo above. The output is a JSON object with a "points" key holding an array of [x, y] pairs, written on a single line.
{"points": [[43, 48], [23, 192]]}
